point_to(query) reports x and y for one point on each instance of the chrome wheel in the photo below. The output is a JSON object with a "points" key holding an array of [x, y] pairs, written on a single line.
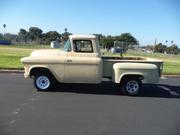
{"points": [[132, 87], [42, 82]]}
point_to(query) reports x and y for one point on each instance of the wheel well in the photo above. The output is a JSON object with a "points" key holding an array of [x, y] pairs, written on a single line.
{"points": [[38, 70], [140, 77]]}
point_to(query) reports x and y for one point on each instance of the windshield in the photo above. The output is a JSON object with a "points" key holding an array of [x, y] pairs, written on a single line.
{"points": [[67, 46]]}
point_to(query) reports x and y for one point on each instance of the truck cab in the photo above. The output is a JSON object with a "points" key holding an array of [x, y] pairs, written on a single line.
{"points": [[83, 60]]}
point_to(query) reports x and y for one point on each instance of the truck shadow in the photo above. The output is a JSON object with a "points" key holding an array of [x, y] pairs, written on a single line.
{"points": [[161, 91], [149, 90]]}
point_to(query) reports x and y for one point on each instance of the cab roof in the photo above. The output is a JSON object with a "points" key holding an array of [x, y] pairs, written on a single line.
{"points": [[76, 36]]}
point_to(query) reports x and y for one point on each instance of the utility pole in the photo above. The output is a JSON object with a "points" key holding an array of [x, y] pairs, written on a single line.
{"points": [[154, 45]]}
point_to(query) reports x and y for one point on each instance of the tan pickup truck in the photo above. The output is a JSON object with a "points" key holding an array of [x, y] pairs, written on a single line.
{"points": [[81, 62]]}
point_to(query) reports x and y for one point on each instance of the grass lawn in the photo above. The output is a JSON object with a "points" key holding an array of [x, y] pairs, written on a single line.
{"points": [[171, 62], [10, 57]]}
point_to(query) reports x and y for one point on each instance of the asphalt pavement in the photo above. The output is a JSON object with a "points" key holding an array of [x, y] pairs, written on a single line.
{"points": [[73, 109]]}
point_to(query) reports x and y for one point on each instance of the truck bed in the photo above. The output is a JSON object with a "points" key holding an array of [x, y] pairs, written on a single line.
{"points": [[108, 63]]}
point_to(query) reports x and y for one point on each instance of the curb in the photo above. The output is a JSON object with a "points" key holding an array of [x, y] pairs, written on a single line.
{"points": [[171, 76], [22, 71], [11, 71]]}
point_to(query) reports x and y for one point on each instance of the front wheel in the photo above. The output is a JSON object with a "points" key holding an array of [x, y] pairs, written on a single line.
{"points": [[43, 82], [131, 86]]}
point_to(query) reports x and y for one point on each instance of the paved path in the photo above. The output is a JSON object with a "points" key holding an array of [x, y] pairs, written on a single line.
{"points": [[87, 109]]}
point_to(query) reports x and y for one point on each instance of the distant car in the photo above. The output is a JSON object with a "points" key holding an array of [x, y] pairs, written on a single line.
{"points": [[117, 50]]}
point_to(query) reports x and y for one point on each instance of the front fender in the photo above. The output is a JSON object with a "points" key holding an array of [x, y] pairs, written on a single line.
{"points": [[28, 69]]}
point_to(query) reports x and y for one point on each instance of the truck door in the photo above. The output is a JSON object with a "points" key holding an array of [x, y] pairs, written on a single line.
{"points": [[81, 63]]}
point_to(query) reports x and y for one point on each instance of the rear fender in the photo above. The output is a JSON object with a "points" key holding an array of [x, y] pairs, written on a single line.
{"points": [[147, 71], [130, 74]]}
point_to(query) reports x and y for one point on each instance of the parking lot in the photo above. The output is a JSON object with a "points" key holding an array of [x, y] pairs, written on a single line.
{"points": [[87, 109]]}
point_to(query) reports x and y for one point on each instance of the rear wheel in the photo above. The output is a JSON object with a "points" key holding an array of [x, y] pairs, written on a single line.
{"points": [[43, 82], [131, 86]]}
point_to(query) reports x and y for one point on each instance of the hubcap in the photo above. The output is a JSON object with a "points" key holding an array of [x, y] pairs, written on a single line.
{"points": [[43, 82], [132, 86]]}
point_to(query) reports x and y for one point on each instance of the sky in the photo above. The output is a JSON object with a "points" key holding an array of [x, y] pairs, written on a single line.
{"points": [[146, 20]]}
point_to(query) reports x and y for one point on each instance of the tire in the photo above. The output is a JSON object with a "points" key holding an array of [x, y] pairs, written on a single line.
{"points": [[43, 82], [131, 86]]}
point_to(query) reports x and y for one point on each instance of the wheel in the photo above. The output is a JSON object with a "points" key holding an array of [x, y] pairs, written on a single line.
{"points": [[131, 86], [43, 82]]}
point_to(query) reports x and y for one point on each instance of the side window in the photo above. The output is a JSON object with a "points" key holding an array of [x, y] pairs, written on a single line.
{"points": [[67, 46], [82, 46]]}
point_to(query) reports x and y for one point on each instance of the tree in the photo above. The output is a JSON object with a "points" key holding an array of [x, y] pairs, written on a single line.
{"points": [[128, 38], [125, 41], [23, 35], [173, 49], [11, 37], [52, 36], [35, 34], [100, 37], [160, 48], [108, 42], [1, 36]]}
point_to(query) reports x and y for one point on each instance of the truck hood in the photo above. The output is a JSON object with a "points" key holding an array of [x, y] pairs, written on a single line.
{"points": [[42, 56], [45, 52]]}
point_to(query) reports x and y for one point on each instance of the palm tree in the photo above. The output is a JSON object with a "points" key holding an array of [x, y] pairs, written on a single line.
{"points": [[4, 26], [65, 29]]}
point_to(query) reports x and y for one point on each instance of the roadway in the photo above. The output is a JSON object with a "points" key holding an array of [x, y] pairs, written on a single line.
{"points": [[87, 109]]}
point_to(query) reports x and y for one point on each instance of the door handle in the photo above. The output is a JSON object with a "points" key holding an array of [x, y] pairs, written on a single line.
{"points": [[69, 61]]}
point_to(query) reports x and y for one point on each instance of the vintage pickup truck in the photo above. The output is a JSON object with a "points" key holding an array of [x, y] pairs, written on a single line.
{"points": [[81, 62]]}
